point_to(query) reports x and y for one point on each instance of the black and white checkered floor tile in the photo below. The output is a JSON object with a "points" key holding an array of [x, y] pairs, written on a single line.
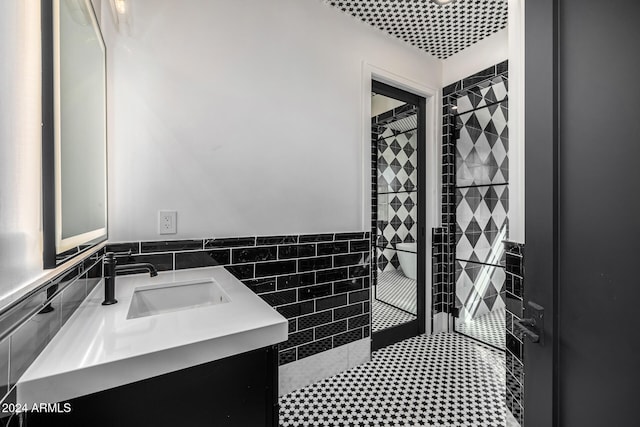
{"points": [[489, 328], [384, 316], [396, 289], [438, 380]]}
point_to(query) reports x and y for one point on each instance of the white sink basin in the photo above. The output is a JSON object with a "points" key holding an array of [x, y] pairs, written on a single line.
{"points": [[157, 299]]}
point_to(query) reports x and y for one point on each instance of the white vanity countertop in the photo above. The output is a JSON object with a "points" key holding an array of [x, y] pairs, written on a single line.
{"points": [[99, 348]]}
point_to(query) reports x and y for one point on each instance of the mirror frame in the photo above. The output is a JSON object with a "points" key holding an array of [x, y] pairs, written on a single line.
{"points": [[57, 250]]}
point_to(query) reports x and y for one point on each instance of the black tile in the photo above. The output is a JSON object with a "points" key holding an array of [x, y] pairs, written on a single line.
{"points": [[241, 271], [275, 268], [4, 367], [162, 262], [358, 322], [28, 341], [348, 311], [514, 346], [347, 337], [365, 332], [453, 87], [293, 325], [309, 238], [347, 285], [502, 67], [171, 245], [331, 275], [121, 248], [513, 304], [359, 271], [71, 298], [197, 259], [295, 280], [287, 356], [330, 329], [517, 286], [295, 310], [314, 348], [296, 251], [330, 302], [309, 264], [311, 292], [255, 254], [280, 297], [349, 259], [333, 248], [359, 296], [365, 306], [276, 240], [313, 320], [261, 285], [359, 246], [297, 339], [230, 242], [349, 236], [513, 264]]}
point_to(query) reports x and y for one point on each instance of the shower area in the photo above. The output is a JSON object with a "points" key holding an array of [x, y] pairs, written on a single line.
{"points": [[394, 211], [480, 115]]}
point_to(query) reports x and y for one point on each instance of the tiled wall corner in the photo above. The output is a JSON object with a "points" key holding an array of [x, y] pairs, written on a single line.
{"points": [[319, 282], [29, 324], [514, 309]]}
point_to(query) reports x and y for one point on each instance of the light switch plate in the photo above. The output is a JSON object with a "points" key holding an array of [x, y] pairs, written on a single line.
{"points": [[167, 222]]}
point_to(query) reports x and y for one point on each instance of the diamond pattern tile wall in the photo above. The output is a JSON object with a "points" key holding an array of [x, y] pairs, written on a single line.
{"points": [[482, 223], [482, 197], [479, 289]]}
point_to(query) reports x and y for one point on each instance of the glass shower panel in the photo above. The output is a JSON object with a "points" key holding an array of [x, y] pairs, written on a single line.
{"points": [[482, 206]]}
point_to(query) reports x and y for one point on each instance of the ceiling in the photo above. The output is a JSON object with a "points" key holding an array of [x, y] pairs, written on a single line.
{"points": [[439, 30]]}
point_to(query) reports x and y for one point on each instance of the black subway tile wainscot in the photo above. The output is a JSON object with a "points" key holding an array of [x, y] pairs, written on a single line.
{"points": [[330, 302], [311, 292], [275, 268], [171, 245], [275, 240], [333, 248], [313, 320], [198, 259], [319, 263], [243, 255], [308, 278], [230, 242]]}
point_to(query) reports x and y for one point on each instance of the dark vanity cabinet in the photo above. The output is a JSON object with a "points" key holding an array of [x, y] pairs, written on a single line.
{"points": [[238, 391]]}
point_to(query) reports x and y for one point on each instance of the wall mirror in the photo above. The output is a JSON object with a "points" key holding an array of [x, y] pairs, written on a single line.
{"points": [[74, 157]]}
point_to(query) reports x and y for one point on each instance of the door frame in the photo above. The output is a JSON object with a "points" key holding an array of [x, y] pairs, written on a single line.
{"points": [[541, 208], [431, 192]]}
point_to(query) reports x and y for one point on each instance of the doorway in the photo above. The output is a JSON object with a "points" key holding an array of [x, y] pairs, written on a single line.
{"points": [[397, 214]]}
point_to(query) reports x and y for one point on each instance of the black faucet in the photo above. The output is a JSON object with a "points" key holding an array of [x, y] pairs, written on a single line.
{"points": [[110, 272]]}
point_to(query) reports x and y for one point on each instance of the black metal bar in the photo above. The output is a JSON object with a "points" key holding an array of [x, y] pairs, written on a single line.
{"points": [[399, 192], [481, 185], [394, 249], [481, 263], [506, 98]]}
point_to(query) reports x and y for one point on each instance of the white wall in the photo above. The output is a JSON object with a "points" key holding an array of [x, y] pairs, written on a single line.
{"points": [[516, 121], [477, 57], [20, 145], [244, 116]]}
